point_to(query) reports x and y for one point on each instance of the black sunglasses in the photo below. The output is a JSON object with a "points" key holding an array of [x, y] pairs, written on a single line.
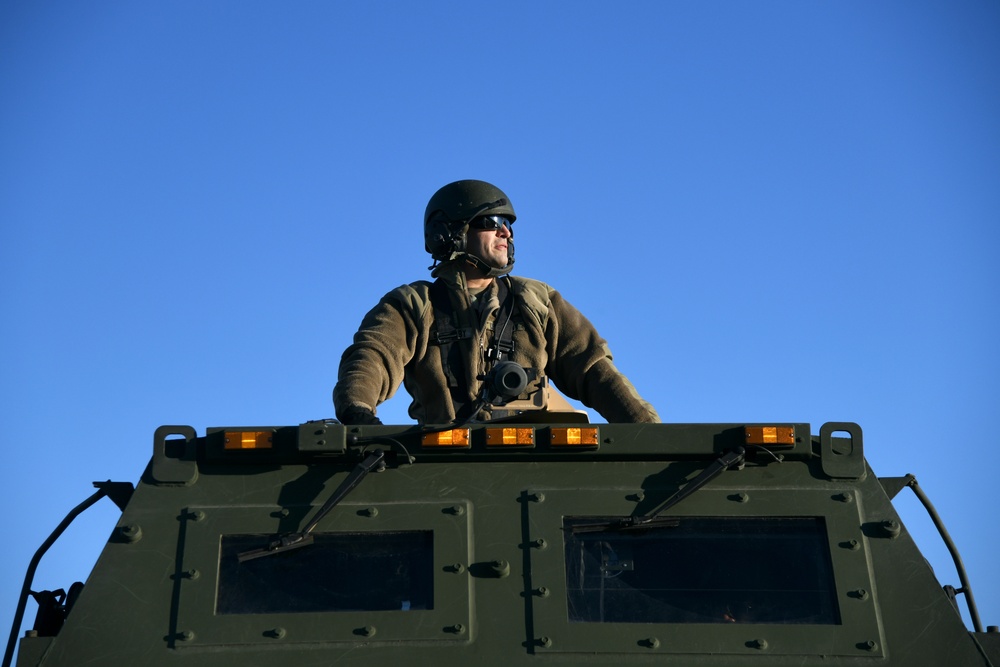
{"points": [[492, 222]]}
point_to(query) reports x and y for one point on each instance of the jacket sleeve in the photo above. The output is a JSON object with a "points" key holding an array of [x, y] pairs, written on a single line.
{"points": [[580, 364], [371, 369]]}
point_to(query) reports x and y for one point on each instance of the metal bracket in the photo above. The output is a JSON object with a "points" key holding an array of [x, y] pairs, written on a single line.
{"points": [[893, 485]]}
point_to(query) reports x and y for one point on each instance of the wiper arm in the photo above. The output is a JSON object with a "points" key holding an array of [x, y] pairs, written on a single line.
{"points": [[304, 537], [652, 520], [714, 469]]}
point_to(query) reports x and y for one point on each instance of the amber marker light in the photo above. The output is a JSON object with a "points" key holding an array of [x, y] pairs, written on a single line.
{"points": [[770, 436], [249, 440], [510, 436], [456, 437], [585, 436]]}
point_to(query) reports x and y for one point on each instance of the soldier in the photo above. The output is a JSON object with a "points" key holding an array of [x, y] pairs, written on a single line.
{"points": [[478, 343]]}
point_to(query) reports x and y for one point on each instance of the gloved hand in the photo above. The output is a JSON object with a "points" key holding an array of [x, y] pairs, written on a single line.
{"points": [[358, 416]]}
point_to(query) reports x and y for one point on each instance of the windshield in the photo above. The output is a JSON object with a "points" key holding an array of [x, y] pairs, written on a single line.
{"points": [[701, 570], [377, 571]]}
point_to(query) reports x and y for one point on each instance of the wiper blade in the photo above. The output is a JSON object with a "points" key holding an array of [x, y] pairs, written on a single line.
{"points": [[653, 520], [303, 538], [621, 524], [281, 543]]}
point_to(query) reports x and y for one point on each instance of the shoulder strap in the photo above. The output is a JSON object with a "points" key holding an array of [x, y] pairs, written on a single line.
{"points": [[443, 332], [503, 325]]}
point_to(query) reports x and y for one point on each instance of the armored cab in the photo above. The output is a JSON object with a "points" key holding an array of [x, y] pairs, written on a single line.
{"points": [[509, 544]]}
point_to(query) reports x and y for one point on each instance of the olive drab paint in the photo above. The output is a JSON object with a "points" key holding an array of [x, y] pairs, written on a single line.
{"points": [[510, 544]]}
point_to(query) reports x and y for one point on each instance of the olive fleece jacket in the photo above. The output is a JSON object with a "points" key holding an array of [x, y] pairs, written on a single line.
{"points": [[393, 346]]}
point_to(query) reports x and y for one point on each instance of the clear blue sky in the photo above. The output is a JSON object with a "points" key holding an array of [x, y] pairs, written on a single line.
{"points": [[777, 211]]}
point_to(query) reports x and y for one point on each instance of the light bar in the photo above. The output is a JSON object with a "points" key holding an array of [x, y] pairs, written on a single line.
{"points": [[456, 437], [585, 436], [249, 440], [770, 436], [510, 436]]}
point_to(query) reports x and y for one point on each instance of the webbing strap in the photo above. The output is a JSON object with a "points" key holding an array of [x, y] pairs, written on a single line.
{"points": [[443, 331], [503, 326]]}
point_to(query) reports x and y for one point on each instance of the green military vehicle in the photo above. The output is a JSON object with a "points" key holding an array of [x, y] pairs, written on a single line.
{"points": [[507, 544]]}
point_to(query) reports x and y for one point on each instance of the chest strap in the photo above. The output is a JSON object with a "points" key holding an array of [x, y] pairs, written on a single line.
{"points": [[445, 334]]}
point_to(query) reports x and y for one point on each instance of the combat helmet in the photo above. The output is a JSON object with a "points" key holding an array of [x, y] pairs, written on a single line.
{"points": [[447, 218]]}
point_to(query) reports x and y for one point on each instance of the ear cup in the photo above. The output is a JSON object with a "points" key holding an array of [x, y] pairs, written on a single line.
{"points": [[443, 238]]}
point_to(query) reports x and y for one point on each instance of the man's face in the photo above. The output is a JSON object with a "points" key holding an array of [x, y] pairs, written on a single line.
{"points": [[490, 245]]}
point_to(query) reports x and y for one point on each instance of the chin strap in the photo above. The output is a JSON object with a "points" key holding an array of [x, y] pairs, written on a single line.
{"points": [[487, 269], [476, 262]]}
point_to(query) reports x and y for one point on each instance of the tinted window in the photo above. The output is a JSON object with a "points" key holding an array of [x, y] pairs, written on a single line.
{"points": [[702, 570], [338, 572]]}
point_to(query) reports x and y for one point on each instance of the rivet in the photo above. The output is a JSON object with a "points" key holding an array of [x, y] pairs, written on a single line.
{"points": [[892, 527], [457, 510], [368, 631], [652, 642], [540, 543], [759, 644], [197, 515], [536, 496], [192, 574], [457, 568], [542, 592], [544, 642], [742, 497], [131, 532], [276, 633], [853, 545], [500, 568], [370, 512], [457, 629], [870, 645], [185, 636]]}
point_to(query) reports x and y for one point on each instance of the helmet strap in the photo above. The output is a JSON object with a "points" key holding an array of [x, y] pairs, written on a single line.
{"points": [[486, 269]]}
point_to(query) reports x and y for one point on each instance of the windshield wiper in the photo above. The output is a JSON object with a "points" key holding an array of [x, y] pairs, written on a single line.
{"points": [[652, 519], [304, 537]]}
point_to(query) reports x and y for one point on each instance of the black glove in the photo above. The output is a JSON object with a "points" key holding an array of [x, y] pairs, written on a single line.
{"points": [[358, 416]]}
